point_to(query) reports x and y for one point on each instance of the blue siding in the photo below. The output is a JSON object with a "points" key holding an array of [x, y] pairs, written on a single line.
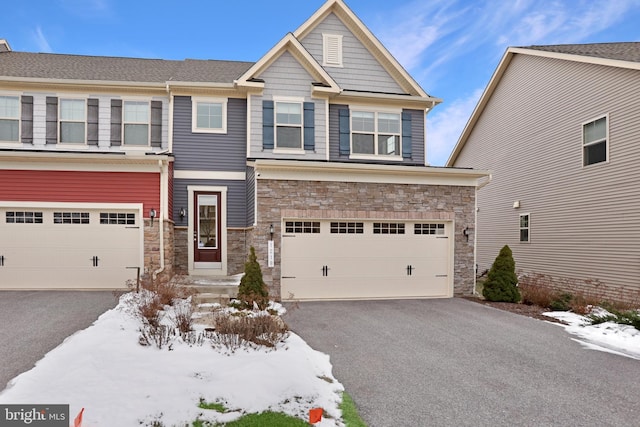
{"points": [[236, 199], [417, 136], [210, 151], [251, 196]]}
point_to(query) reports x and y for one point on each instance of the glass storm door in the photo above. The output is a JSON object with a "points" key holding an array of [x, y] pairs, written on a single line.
{"points": [[207, 228]]}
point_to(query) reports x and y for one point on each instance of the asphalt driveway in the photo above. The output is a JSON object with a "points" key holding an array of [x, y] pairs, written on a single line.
{"points": [[33, 323], [453, 362]]}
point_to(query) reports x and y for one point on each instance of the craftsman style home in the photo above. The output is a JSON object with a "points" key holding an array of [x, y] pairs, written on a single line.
{"points": [[314, 155], [558, 126]]}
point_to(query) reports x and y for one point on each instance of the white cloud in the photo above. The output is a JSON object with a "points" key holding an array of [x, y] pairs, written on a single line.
{"points": [[445, 125], [41, 40]]}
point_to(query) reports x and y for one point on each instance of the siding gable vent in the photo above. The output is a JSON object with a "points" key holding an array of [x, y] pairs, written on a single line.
{"points": [[332, 50]]}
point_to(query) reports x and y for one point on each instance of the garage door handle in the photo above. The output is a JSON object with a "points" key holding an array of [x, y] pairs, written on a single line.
{"points": [[410, 269], [95, 260], [325, 271], [1, 260]]}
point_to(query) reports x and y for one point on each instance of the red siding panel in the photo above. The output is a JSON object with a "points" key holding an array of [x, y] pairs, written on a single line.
{"points": [[93, 187]]}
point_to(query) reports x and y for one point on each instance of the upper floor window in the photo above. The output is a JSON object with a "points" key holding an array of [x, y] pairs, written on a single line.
{"points": [[288, 125], [72, 120], [9, 118], [332, 50], [136, 123], [594, 141], [524, 227], [209, 115], [375, 133]]}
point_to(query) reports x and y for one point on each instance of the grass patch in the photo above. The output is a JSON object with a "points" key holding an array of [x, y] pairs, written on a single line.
{"points": [[267, 419], [350, 414], [215, 406]]}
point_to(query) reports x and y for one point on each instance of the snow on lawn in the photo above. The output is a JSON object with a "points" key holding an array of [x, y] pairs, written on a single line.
{"points": [[121, 383], [609, 336]]}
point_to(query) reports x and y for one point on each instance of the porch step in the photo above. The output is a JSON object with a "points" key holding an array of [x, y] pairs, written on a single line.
{"points": [[210, 289]]}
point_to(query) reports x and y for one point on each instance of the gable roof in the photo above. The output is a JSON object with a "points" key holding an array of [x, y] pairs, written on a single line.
{"points": [[621, 55], [366, 37], [290, 44]]}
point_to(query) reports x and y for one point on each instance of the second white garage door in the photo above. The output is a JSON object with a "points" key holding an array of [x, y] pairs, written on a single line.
{"points": [[370, 259], [43, 247]]}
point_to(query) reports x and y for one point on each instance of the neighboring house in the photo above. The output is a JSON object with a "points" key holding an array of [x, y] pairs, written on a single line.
{"points": [[558, 126], [315, 155]]}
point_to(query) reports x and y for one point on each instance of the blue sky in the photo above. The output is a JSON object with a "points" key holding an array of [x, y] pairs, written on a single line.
{"points": [[451, 47]]}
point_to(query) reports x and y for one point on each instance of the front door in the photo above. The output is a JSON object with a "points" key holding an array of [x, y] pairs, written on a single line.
{"points": [[207, 242]]}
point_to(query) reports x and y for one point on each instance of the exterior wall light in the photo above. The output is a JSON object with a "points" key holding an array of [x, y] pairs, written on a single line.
{"points": [[183, 212], [466, 233], [152, 214], [271, 231]]}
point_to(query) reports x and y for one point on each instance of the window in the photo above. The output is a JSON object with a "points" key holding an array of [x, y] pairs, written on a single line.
{"points": [[72, 121], [347, 228], [375, 133], [136, 123], [388, 228], [288, 125], [332, 50], [209, 115], [524, 227], [594, 141], [117, 218], [302, 227], [9, 118], [71, 217], [437, 229], [23, 217]]}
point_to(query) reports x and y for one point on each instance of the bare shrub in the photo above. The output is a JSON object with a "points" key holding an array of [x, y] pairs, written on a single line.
{"points": [[150, 309], [234, 332], [183, 317], [535, 290], [161, 336]]}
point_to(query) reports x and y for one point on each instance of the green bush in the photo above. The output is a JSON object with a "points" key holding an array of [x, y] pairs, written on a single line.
{"points": [[562, 302], [252, 288], [501, 284]]}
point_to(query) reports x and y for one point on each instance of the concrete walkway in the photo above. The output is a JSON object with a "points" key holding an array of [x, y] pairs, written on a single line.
{"points": [[457, 363]]}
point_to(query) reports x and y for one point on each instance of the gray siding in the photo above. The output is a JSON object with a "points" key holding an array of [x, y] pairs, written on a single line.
{"points": [[417, 136], [210, 151], [360, 71], [584, 220], [287, 78], [104, 122], [236, 200]]}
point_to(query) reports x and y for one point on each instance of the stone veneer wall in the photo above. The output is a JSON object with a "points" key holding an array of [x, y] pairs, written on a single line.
{"points": [[279, 198], [238, 242], [152, 248]]}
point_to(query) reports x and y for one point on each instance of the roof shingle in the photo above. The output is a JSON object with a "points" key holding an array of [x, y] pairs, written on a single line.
{"points": [[622, 51]]}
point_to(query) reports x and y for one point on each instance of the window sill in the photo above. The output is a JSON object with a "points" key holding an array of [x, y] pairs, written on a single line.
{"points": [[288, 151], [200, 130], [69, 146], [375, 157]]}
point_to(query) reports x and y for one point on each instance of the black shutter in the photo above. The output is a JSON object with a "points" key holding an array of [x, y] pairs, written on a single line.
{"points": [[156, 123], [27, 119], [406, 135], [92, 121], [309, 126], [52, 120], [345, 132], [267, 125], [116, 122]]}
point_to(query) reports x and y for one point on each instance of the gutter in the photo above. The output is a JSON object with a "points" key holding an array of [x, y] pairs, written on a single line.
{"points": [[163, 206]]}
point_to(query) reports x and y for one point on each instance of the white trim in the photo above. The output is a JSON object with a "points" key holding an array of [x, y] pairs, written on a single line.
{"points": [[60, 121], [605, 140], [214, 269], [326, 130], [19, 119], [288, 100], [138, 100], [212, 175], [61, 165], [353, 108], [296, 151], [387, 158], [170, 125], [194, 114], [528, 228], [249, 113]]}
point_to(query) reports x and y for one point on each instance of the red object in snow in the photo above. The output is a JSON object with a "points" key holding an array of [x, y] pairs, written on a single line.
{"points": [[315, 415], [78, 421]]}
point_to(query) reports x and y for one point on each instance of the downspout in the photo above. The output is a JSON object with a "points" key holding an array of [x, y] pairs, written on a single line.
{"points": [[163, 208]]}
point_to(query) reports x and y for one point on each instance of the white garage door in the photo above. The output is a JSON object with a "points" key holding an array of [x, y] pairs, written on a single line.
{"points": [[62, 248], [366, 259]]}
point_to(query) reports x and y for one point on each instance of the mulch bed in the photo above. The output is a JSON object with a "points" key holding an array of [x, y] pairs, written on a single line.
{"points": [[525, 310]]}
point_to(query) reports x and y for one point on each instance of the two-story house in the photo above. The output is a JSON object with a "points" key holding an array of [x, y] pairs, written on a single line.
{"points": [[558, 126], [315, 155]]}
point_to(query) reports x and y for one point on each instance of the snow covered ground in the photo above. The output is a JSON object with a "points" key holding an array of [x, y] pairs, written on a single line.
{"points": [[121, 383], [611, 337]]}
